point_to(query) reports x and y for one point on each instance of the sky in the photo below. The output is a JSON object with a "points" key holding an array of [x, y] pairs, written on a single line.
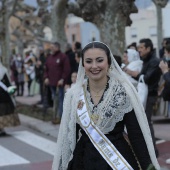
{"points": [[31, 2], [143, 3]]}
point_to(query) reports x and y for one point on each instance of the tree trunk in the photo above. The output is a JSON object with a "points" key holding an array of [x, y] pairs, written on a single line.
{"points": [[20, 46], [159, 5], [159, 26], [110, 16], [112, 31], [5, 45], [58, 17]]}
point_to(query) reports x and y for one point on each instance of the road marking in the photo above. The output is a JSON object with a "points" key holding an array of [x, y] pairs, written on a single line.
{"points": [[9, 158], [35, 141], [160, 141]]}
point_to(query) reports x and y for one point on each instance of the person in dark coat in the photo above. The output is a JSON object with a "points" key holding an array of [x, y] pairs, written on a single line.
{"points": [[57, 71], [18, 73], [152, 74], [165, 42], [73, 64], [165, 68]]}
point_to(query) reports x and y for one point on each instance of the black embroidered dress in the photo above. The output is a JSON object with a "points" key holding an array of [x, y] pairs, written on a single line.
{"points": [[86, 156], [7, 116]]}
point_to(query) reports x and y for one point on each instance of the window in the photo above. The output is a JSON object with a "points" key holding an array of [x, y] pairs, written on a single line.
{"points": [[152, 31], [133, 32]]}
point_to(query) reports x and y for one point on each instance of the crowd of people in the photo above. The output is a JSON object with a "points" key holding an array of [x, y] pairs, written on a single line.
{"points": [[94, 93], [95, 88], [49, 73]]}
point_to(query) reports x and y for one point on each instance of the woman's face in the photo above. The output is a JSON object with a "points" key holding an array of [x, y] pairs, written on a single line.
{"points": [[96, 64]]}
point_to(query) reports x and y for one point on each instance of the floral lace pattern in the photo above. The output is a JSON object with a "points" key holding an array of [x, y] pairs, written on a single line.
{"points": [[108, 112]]}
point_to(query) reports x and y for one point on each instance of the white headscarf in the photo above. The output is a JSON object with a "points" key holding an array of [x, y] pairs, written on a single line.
{"points": [[66, 141], [135, 64], [132, 55]]}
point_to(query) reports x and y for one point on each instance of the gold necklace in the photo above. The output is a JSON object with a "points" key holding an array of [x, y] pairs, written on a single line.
{"points": [[97, 92]]}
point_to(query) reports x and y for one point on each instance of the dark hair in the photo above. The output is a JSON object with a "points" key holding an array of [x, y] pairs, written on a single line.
{"points": [[133, 44], [78, 52], [167, 48], [77, 45], [118, 59], [147, 43], [97, 45], [167, 41], [57, 44]]}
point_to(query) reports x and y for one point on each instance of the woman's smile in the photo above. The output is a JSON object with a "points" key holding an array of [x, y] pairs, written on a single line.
{"points": [[95, 71], [96, 64]]}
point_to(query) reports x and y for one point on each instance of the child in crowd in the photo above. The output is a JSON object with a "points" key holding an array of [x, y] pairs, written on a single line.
{"points": [[73, 80]]}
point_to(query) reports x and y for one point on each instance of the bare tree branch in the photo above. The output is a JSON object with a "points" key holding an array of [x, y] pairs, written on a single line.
{"points": [[13, 9], [18, 17], [161, 3], [110, 16]]}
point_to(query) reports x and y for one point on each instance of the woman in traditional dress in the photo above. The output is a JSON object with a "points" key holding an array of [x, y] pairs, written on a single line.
{"points": [[7, 103], [98, 109]]}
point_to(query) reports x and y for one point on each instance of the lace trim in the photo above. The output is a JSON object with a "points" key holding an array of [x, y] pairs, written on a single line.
{"points": [[111, 109]]}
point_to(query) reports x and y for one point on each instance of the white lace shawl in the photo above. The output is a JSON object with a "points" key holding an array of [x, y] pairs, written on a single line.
{"points": [[67, 133], [115, 103]]}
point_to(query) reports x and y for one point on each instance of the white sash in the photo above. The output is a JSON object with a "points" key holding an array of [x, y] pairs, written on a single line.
{"points": [[99, 140]]}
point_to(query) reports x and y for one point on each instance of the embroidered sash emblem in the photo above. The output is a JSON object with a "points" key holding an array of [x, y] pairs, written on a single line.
{"points": [[80, 105]]}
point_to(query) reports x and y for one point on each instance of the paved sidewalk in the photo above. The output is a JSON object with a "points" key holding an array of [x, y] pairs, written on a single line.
{"points": [[28, 100], [42, 126], [46, 128]]}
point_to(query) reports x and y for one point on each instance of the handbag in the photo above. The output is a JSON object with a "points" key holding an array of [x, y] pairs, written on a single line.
{"points": [[142, 89]]}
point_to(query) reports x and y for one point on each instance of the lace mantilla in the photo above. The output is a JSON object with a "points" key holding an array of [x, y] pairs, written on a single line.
{"points": [[120, 91], [114, 104]]}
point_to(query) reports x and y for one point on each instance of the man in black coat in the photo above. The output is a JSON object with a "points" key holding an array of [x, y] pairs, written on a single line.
{"points": [[152, 73], [165, 68], [73, 64]]}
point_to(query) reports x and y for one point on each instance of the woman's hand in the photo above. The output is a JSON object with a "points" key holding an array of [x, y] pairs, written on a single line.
{"points": [[164, 66], [131, 73], [151, 167]]}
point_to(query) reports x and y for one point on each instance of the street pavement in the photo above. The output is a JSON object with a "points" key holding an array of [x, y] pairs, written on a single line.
{"points": [[161, 127], [26, 149]]}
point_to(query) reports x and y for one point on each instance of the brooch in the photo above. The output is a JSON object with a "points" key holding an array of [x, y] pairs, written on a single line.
{"points": [[80, 105]]}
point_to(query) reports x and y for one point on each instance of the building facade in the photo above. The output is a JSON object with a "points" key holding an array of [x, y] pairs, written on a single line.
{"points": [[145, 25]]}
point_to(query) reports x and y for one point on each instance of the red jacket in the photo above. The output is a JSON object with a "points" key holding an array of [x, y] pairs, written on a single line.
{"points": [[57, 67]]}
